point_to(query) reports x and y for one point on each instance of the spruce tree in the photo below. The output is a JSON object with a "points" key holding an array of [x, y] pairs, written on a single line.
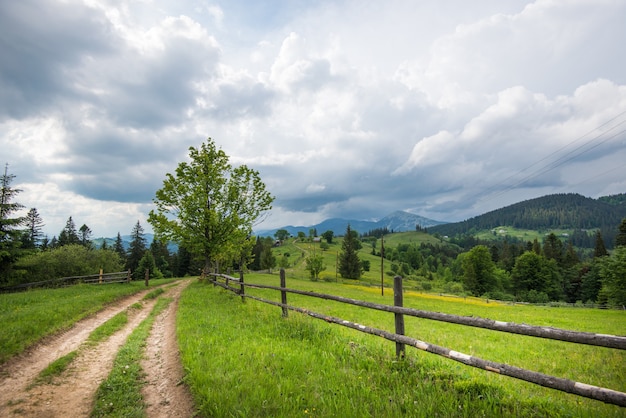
{"points": [[349, 263], [118, 247], [600, 250], [9, 234], [32, 234], [136, 250], [620, 239], [68, 235]]}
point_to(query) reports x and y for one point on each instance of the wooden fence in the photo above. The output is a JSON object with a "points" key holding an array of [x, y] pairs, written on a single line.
{"points": [[589, 391], [100, 278]]}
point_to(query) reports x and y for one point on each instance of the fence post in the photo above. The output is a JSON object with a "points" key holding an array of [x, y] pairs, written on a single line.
{"points": [[241, 286], [128, 276], [147, 276], [283, 294], [398, 301], [100, 278]]}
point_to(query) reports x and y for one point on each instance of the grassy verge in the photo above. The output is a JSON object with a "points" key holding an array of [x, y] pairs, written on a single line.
{"points": [[30, 316], [120, 394], [245, 360]]}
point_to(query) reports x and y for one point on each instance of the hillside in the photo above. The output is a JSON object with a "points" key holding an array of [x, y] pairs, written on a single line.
{"points": [[558, 211]]}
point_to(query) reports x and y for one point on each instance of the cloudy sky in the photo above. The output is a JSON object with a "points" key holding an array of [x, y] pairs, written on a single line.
{"points": [[347, 108]]}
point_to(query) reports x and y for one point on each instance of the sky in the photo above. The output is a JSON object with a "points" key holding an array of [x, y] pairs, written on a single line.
{"points": [[348, 108]]}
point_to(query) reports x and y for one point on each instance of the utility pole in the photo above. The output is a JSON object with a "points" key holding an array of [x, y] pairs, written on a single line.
{"points": [[382, 265]]}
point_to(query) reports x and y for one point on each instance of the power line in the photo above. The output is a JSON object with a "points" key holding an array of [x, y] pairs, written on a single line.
{"points": [[559, 161]]}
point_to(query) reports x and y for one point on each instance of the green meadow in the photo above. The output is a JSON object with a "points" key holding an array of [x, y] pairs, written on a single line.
{"points": [[244, 359]]}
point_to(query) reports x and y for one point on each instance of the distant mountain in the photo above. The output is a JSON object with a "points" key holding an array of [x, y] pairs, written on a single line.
{"points": [[557, 211], [398, 222]]}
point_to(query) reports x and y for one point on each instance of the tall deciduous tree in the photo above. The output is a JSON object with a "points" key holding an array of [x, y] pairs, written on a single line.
{"points": [[349, 262], [478, 271], [209, 206], [9, 232]]}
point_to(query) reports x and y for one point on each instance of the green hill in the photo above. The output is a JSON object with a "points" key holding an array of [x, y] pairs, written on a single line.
{"points": [[567, 212]]}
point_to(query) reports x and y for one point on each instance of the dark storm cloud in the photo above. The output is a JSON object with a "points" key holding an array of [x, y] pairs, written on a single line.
{"points": [[41, 46]]}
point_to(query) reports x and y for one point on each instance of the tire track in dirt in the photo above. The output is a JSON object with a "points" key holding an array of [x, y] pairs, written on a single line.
{"points": [[165, 394], [17, 373], [71, 394]]}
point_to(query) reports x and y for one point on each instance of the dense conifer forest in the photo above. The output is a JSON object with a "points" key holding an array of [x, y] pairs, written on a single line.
{"points": [[557, 211]]}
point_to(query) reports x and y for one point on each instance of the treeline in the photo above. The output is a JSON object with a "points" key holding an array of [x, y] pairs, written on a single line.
{"points": [[558, 211], [27, 255], [514, 270]]}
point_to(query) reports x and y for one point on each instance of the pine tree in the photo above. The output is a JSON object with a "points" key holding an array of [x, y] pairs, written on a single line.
{"points": [[85, 236], [9, 234], [68, 235], [600, 250], [118, 247], [349, 263], [620, 239], [162, 256], [32, 234], [136, 250]]}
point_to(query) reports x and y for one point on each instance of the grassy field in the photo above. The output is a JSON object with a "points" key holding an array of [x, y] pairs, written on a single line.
{"points": [[245, 360], [27, 317]]}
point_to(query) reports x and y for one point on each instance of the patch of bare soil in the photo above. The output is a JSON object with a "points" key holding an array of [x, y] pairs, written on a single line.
{"points": [[71, 394], [165, 394]]}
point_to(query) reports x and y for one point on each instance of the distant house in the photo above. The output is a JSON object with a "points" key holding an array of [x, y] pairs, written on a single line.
{"points": [[317, 239], [278, 243]]}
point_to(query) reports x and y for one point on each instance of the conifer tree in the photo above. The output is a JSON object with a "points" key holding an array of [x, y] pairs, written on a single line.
{"points": [[85, 236], [32, 234], [118, 247], [349, 263], [600, 250], [68, 235], [620, 239], [136, 250], [9, 234]]}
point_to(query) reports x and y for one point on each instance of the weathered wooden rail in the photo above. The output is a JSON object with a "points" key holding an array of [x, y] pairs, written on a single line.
{"points": [[100, 278], [566, 385]]}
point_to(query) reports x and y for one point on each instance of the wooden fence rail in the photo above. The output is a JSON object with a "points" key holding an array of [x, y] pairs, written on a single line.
{"points": [[100, 278], [581, 389]]}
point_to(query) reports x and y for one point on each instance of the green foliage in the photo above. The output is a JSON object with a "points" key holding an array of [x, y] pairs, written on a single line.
{"points": [[9, 232], [349, 263], [69, 234], [66, 261], [620, 239], [208, 206], [613, 277], [281, 234], [328, 236], [478, 271], [147, 263], [315, 265], [558, 211], [136, 250], [533, 272]]}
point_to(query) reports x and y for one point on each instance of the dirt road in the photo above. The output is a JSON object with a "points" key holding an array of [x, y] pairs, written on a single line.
{"points": [[72, 393]]}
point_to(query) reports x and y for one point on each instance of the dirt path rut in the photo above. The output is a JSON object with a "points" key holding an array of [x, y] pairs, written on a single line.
{"points": [[71, 394]]}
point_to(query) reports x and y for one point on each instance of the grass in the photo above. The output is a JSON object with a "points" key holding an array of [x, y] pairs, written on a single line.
{"points": [[245, 360], [120, 394], [56, 368], [30, 316]]}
